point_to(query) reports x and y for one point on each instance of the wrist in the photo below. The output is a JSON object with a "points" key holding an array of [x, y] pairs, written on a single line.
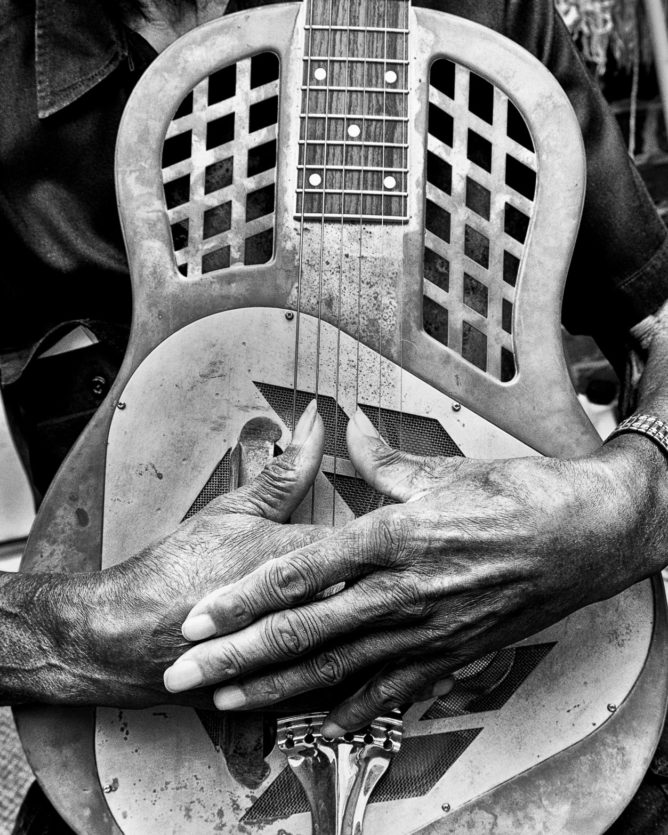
{"points": [[637, 470]]}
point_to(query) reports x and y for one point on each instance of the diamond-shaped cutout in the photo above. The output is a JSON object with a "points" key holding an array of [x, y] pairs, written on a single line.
{"points": [[511, 667]]}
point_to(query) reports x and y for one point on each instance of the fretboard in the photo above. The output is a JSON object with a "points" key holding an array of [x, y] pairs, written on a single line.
{"points": [[353, 145]]}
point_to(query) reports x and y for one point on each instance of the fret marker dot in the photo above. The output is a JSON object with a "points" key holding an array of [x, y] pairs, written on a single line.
{"points": [[354, 130], [315, 179], [391, 77], [389, 182], [320, 74]]}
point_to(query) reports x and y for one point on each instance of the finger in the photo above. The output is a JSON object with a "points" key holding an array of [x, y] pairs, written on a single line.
{"points": [[356, 550], [277, 491], [283, 636], [323, 674], [322, 671], [387, 691], [397, 474]]}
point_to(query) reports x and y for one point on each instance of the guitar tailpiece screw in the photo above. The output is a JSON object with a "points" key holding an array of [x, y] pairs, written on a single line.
{"points": [[289, 315], [446, 807], [120, 405], [612, 708], [456, 407]]}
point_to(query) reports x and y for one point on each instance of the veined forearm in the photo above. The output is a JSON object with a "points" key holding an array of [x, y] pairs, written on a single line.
{"points": [[41, 648]]}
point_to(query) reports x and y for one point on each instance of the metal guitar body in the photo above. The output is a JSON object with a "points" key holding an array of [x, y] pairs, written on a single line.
{"points": [[376, 204]]}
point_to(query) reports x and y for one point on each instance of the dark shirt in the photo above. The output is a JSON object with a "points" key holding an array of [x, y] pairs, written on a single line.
{"points": [[68, 68], [67, 71]]}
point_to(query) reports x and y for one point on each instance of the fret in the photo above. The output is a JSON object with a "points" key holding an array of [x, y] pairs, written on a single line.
{"points": [[366, 117], [349, 142], [335, 89], [368, 192], [360, 130], [351, 73], [360, 43], [380, 181], [367, 13], [341, 103], [352, 216], [313, 154], [361, 58], [370, 168], [356, 29], [375, 207]]}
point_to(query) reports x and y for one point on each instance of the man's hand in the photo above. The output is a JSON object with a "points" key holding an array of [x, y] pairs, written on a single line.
{"points": [[106, 638], [480, 555]]}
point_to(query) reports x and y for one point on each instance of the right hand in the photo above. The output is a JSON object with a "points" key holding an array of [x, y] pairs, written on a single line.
{"points": [[120, 629]]}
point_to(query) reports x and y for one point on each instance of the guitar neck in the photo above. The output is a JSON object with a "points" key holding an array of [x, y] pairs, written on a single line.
{"points": [[353, 154]]}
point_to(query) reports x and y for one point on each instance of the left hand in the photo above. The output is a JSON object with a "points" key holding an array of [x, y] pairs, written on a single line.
{"points": [[480, 555]]}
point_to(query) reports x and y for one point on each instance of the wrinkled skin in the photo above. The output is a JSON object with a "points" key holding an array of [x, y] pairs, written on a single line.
{"points": [[479, 555], [106, 638]]}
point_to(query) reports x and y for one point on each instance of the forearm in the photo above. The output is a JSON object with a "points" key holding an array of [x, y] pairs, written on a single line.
{"points": [[639, 466], [43, 652]]}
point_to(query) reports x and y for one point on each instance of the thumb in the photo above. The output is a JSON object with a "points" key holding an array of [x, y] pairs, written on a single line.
{"points": [[277, 491], [397, 474]]}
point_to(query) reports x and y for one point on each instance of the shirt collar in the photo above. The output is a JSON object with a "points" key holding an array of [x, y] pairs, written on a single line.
{"points": [[76, 46]]}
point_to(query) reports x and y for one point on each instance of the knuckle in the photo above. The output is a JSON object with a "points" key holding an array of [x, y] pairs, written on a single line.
{"points": [[221, 662], [327, 669], [287, 635], [267, 690], [387, 456], [384, 694], [415, 603], [278, 477], [290, 581], [390, 531], [431, 470], [237, 611]]}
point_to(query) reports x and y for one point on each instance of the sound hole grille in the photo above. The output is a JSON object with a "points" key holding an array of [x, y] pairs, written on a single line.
{"points": [[219, 168], [481, 183]]}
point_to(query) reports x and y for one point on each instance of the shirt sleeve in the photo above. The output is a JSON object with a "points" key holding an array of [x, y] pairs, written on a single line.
{"points": [[619, 271]]}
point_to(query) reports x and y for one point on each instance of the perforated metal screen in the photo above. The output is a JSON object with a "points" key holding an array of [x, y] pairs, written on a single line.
{"points": [[481, 182], [219, 168], [420, 763]]}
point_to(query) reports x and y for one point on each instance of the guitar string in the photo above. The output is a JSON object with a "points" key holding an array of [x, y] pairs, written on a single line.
{"points": [[323, 200], [362, 158], [383, 159], [306, 65], [404, 77], [346, 70]]}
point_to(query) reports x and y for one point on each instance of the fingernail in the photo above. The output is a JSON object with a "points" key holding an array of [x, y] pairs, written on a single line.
{"points": [[198, 627], [305, 424], [229, 698], [443, 687], [331, 730], [364, 424], [183, 675]]}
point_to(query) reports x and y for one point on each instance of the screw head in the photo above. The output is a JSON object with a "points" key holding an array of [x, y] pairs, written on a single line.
{"points": [[120, 405], [98, 385], [446, 807], [612, 708], [456, 407], [289, 315]]}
